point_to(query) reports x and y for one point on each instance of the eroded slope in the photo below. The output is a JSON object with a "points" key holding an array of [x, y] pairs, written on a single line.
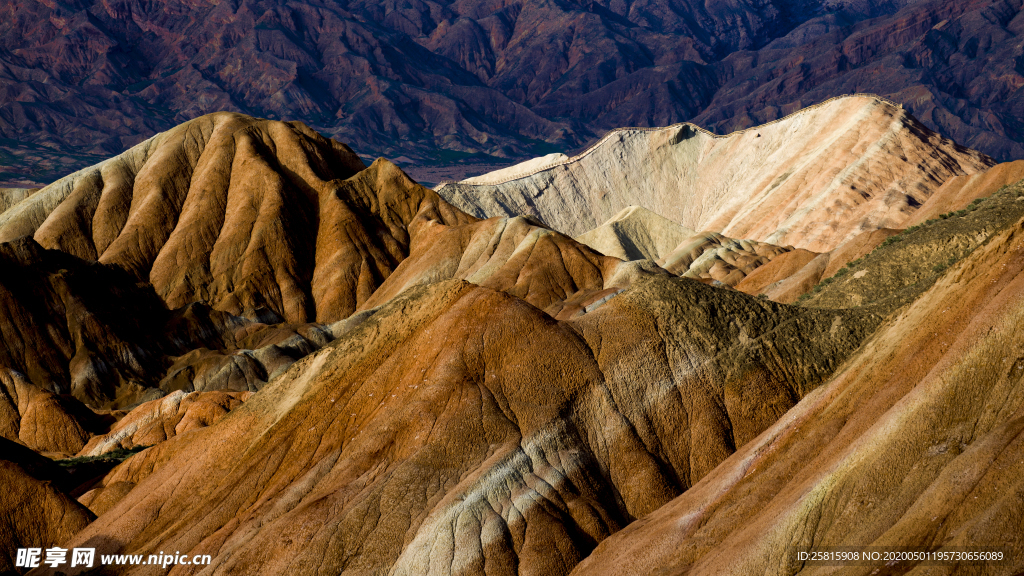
{"points": [[33, 513], [810, 180], [905, 265], [917, 441], [240, 213], [636, 233], [459, 429], [72, 327]]}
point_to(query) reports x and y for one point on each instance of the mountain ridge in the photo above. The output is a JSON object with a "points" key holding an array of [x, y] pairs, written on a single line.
{"points": [[344, 69], [508, 174], [810, 180], [491, 396]]}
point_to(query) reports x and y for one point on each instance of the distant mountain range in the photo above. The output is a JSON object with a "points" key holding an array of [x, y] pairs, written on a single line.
{"points": [[428, 82]]}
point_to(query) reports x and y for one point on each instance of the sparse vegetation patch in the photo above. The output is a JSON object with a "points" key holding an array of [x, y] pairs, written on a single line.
{"points": [[906, 264]]}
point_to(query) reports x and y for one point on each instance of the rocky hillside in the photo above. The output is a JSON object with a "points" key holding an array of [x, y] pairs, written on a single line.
{"points": [[812, 180], [237, 340], [432, 81], [244, 214], [890, 267], [34, 510], [200, 260], [915, 442], [461, 423]]}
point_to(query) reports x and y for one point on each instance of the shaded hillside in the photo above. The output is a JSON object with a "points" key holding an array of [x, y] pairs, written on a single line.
{"points": [[915, 442], [437, 80], [42, 420], [636, 233], [71, 327], [240, 213], [812, 180], [91, 331], [462, 424], [33, 513]]}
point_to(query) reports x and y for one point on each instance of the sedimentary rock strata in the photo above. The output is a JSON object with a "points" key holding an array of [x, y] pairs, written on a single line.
{"points": [[33, 513], [915, 442], [459, 422], [491, 396], [812, 180], [240, 213], [636, 233]]}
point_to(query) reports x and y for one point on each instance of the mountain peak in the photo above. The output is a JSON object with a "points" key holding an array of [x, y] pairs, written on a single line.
{"points": [[810, 180]]}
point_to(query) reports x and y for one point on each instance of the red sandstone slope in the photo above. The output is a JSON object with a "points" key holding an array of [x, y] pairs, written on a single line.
{"points": [[957, 193], [33, 513], [917, 441], [238, 212], [157, 420], [786, 279], [463, 424], [42, 420]]}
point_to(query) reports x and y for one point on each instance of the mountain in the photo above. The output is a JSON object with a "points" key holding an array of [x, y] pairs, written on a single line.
{"points": [[241, 342], [636, 233], [481, 357], [432, 81], [244, 214], [811, 180], [514, 255], [915, 442], [943, 230], [202, 259], [460, 423]]}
